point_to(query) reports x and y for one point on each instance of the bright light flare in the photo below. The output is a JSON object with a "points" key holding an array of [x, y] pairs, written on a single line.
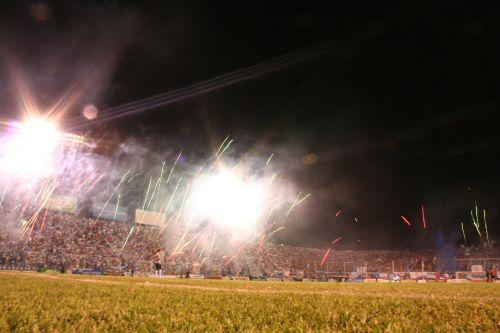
{"points": [[29, 150], [229, 200]]}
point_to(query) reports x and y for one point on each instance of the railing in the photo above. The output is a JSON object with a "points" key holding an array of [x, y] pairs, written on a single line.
{"points": [[32, 260]]}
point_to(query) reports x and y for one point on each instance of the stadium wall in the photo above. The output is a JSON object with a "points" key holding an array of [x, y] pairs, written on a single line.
{"points": [[149, 217], [62, 203]]}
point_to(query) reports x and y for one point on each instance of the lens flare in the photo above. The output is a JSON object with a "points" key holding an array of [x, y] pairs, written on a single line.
{"points": [[229, 200], [30, 148]]}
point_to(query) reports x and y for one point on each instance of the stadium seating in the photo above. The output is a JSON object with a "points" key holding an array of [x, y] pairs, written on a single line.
{"points": [[81, 244]]}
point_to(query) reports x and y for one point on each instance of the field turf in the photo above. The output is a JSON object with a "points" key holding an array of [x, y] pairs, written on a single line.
{"points": [[37, 302]]}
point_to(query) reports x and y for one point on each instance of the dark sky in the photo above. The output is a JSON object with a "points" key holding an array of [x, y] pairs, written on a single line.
{"points": [[401, 111]]}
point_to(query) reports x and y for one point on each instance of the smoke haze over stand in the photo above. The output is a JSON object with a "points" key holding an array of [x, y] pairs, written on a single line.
{"points": [[403, 118]]}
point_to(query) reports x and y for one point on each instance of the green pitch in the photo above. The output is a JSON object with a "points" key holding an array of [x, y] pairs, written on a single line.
{"points": [[32, 302]]}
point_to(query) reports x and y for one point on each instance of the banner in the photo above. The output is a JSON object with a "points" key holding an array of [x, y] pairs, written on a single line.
{"points": [[62, 203], [110, 211], [476, 268], [149, 217]]}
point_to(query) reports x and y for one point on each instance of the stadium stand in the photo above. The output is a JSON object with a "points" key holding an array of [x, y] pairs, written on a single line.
{"points": [[78, 244]]}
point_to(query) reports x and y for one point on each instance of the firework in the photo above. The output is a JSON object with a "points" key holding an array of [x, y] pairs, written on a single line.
{"points": [[128, 236], [327, 253], [117, 205], [133, 177], [179, 244], [44, 218], [261, 243], [295, 203], [273, 177], [223, 151], [423, 217], [92, 186], [112, 193], [171, 197], [212, 245], [39, 192], [159, 185], [405, 220], [180, 212], [153, 194], [173, 167], [227, 200], [234, 257], [486, 227], [269, 159], [31, 222], [477, 216], [3, 194], [222, 144], [304, 198], [145, 200], [201, 253], [336, 240], [147, 193], [272, 232], [463, 233], [476, 224], [195, 245]]}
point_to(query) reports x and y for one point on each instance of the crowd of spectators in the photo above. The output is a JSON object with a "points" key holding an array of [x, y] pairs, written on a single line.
{"points": [[77, 243], [65, 241]]}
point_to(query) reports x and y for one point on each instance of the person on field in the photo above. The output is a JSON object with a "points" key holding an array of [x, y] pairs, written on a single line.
{"points": [[132, 268], [158, 265], [63, 266]]}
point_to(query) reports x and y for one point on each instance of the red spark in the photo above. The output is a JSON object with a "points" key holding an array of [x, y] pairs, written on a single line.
{"points": [[335, 241], [406, 220], [233, 257], [423, 218], [44, 217], [326, 256], [261, 243]]}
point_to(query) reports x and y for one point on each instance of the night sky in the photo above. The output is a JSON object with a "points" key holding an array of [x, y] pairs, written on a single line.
{"points": [[401, 110]]}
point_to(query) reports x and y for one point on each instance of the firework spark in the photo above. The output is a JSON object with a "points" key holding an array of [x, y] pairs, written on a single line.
{"points": [[463, 233], [327, 253], [336, 240], [405, 220], [486, 227], [475, 222], [423, 217]]}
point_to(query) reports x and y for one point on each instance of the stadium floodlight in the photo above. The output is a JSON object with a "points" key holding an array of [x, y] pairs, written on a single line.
{"points": [[229, 200], [28, 150]]}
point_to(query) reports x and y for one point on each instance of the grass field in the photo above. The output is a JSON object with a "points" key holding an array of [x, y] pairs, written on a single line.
{"points": [[55, 302]]}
